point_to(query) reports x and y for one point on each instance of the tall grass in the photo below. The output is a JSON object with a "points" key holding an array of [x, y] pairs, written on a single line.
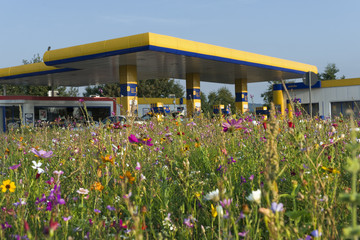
{"points": [[161, 184]]}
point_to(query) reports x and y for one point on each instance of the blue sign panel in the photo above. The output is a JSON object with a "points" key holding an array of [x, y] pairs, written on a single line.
{"points": [[193, 93], [241, 97], [128, 90]]}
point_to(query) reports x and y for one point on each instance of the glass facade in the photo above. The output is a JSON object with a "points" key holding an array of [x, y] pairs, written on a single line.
{"points": [[338, 108], [72, 114], [12, 117], [315, 108]]}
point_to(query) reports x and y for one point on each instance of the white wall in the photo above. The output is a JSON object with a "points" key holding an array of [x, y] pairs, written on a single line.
{"points": [[324, 96]]}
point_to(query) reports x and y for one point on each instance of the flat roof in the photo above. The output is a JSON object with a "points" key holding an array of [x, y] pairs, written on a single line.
{"points": [[156, 56]]}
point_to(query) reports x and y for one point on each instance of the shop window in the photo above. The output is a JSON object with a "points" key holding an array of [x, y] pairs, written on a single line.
{"points": [[12, 117], [338, 108], [306, 110]]}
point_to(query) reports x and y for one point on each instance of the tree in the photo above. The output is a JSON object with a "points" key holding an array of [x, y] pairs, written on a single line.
{"points": [[268, 95], [205, 106], [68, 91], [159, 88], [150, 88], [330, 72], [222, 96]]}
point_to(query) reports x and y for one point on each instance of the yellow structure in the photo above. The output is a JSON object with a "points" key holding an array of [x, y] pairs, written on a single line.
{"points": [[193, 99], [241, 95], [290, 110], [279, 100], [150, 55], [128, 89]]}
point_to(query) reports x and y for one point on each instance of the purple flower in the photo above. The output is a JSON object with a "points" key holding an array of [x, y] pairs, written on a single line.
{"points": [[306, 167], [316, 233], [251, 177], [81, 100], [232, 125], [21, 202], [15, 166], [5, 225], [231, 160], [127, 196], [97, 210], [189, 222], [42, 153], [243, 234], [277, 207], [110, 208], [243, 180], [67, 218], [226, 202], [53, 199]]}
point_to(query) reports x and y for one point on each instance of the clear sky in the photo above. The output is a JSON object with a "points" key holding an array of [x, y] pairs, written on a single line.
{"points": [[315, 32]]}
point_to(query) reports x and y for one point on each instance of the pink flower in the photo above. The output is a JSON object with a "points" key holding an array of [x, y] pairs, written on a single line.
{"points": [[232, 125], [58, 172], [138, 166], [133, 139], [42, 153], [121, 225]]}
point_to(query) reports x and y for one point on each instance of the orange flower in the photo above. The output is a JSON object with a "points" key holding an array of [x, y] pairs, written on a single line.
{"points": [[97, 186], [130, 178], [108, 158], [197, 144]]}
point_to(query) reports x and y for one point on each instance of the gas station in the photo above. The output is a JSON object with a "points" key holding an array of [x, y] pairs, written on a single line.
{"points": [[144, 56]]}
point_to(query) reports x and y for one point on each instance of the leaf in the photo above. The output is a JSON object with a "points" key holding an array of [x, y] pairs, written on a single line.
{"points": [[297, 214]]}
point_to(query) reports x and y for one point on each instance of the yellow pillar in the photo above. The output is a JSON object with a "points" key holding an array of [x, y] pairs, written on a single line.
{"points": [[290, 110], [128, 89], [241, 95], [278, 98], [193, 100]]}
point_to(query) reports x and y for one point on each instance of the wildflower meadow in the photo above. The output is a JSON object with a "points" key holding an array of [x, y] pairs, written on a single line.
{"points": [[239, 177]]}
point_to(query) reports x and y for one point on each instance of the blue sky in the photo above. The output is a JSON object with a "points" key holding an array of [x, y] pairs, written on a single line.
{"points": [[316, 32]]}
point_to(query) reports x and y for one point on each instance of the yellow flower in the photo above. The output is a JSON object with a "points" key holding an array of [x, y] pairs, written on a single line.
{"points": [[197, 195], [197, 144], [8, 185], [331, 170], [108, 158], [213, 211], [186, 148]]}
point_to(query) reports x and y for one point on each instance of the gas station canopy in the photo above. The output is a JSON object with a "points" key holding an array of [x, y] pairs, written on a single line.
{"points": [[155, 56]]}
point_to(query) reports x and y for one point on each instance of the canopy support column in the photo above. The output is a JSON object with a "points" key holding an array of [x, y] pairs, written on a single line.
{"points": [[278, 98], [193, 100], [128, 89], [241, 95]]}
